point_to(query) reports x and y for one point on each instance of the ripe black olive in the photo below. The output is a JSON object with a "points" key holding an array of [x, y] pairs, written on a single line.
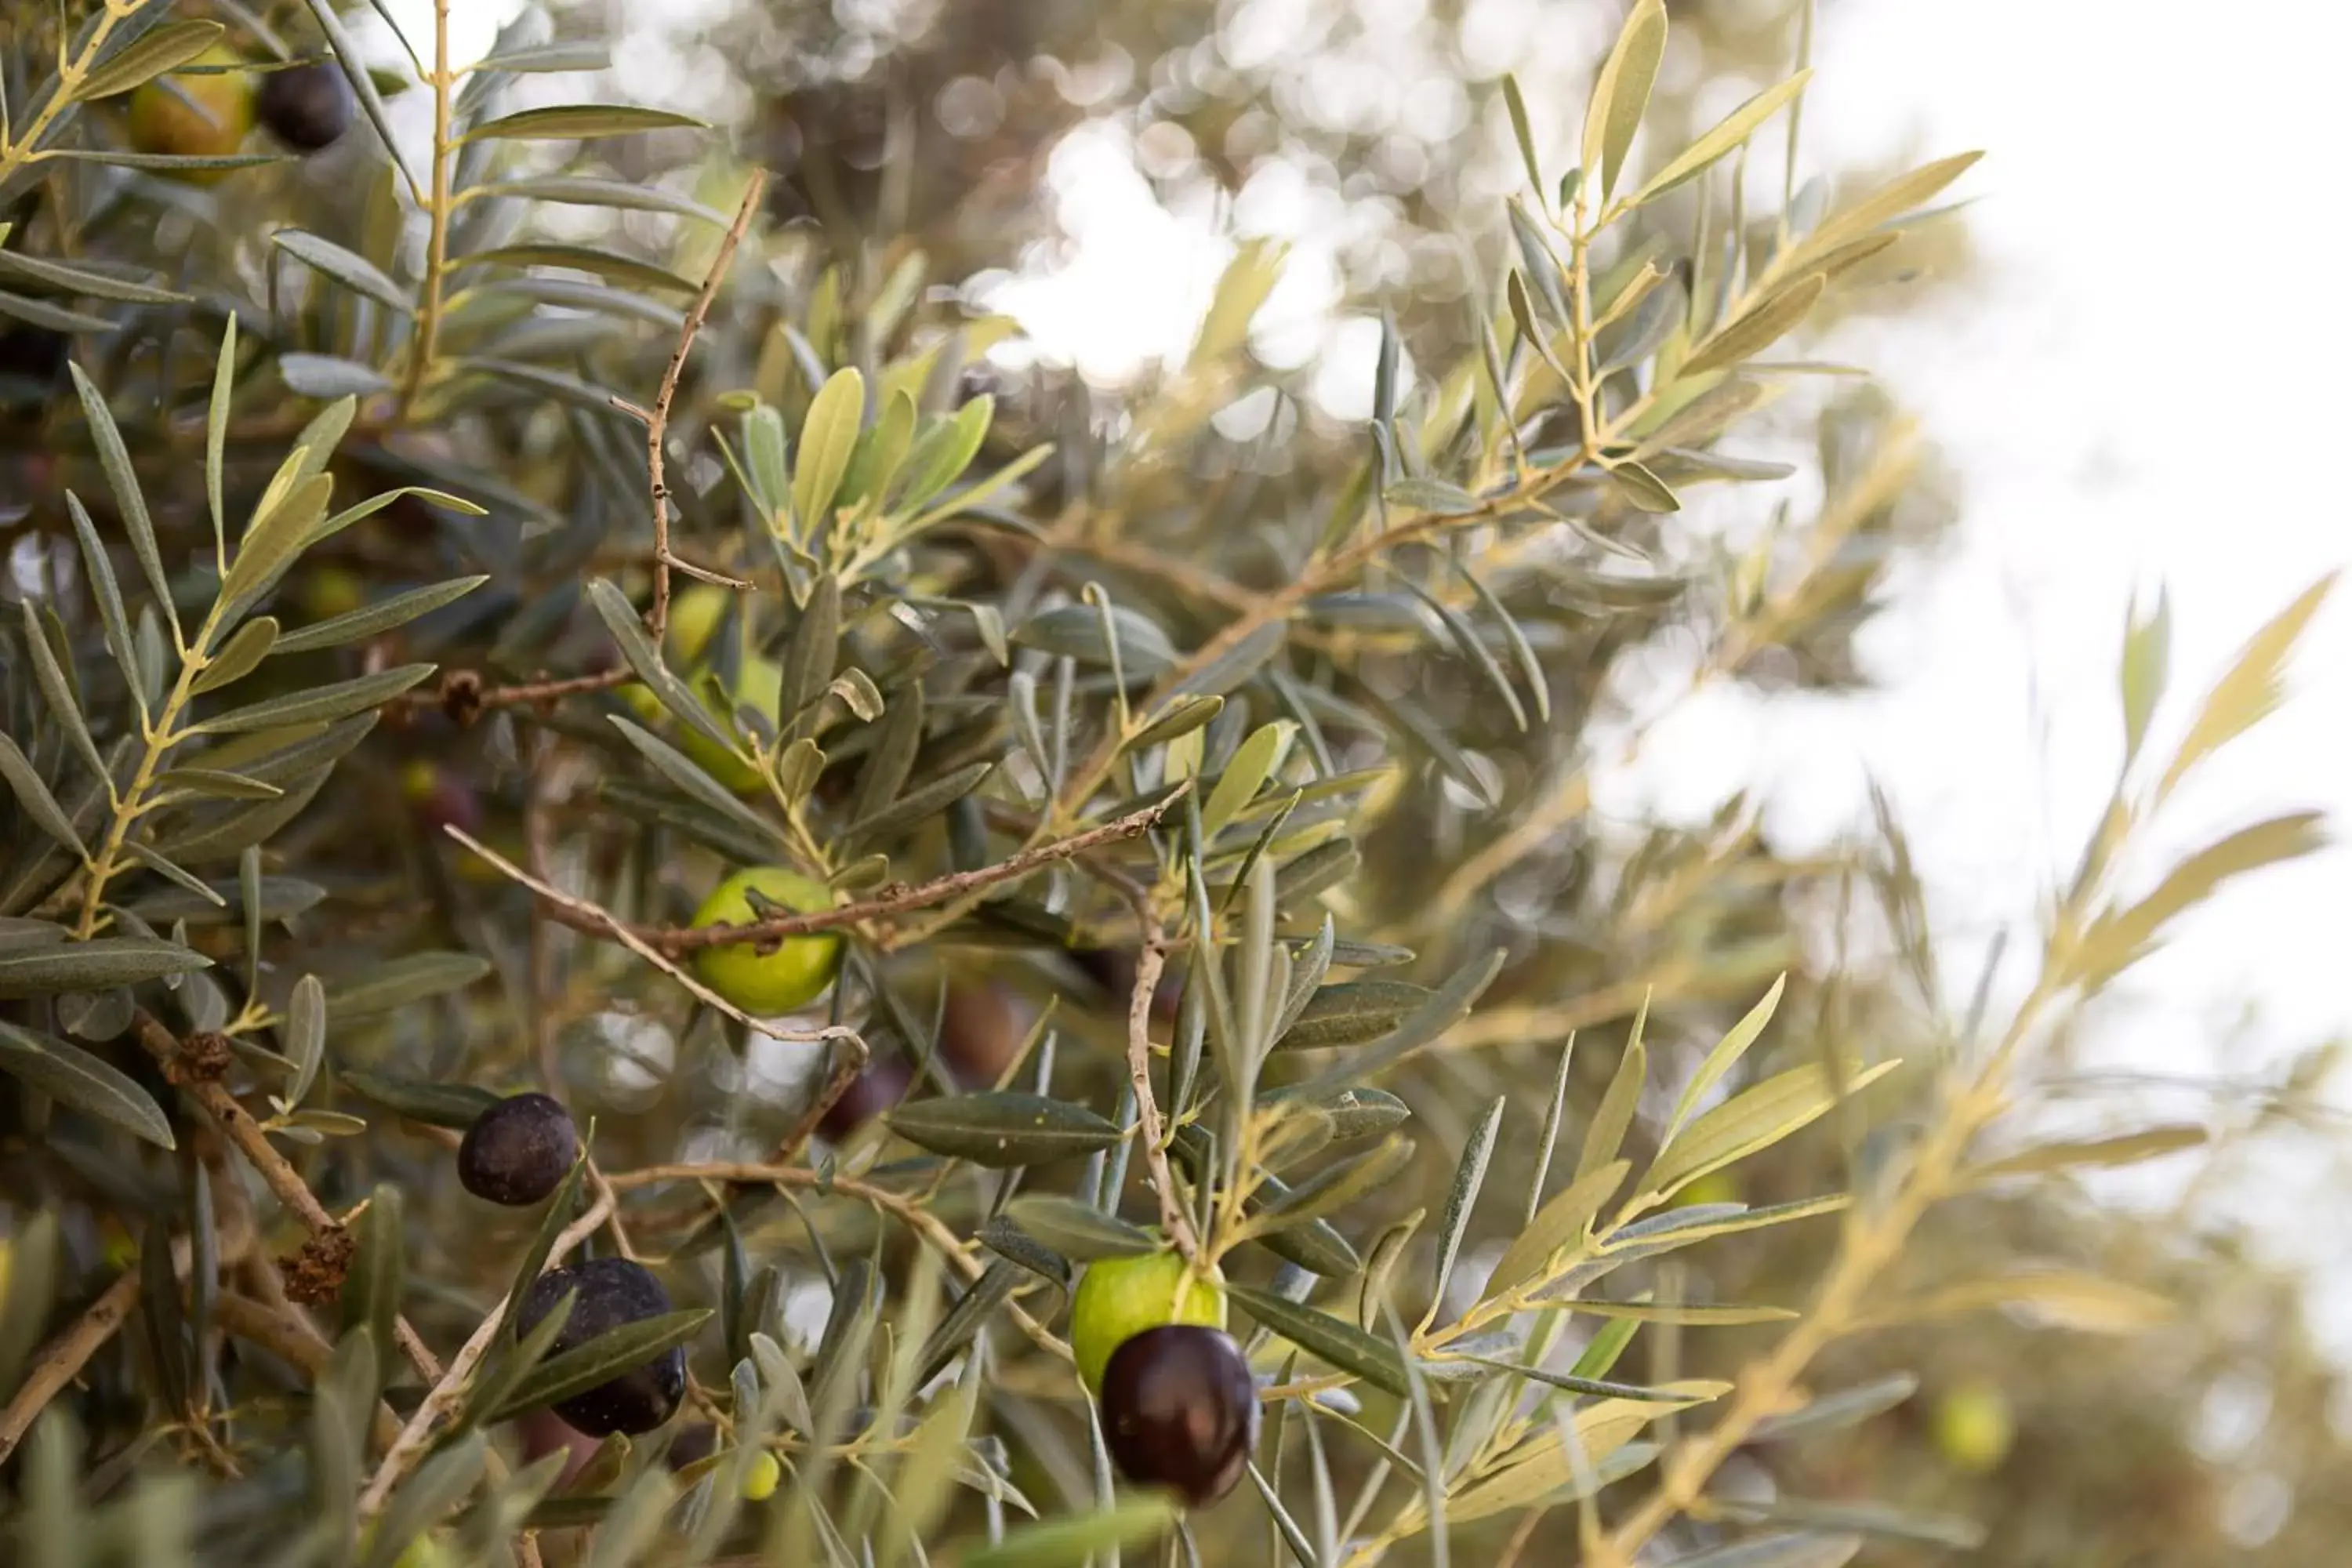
{"points": [[1180, 1410], [305, 107], [518, 1151], [613, 1291]]}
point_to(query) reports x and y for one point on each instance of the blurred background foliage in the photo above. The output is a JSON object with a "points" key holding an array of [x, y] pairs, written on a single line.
{"points": [[922, 159]]}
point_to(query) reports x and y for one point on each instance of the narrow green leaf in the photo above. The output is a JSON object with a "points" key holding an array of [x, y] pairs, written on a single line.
{"points": [[1516, 106], [1605, 1134], [1726, 1056], [1079, 1231], [828, 439], [1003, 1129], [330, 376], [397, 982], [580, 191], [1469, 1177], [1253, 762], [579, 122], [1754, 1118], [34, 796], [625, 271], [352, 271], [99, 964], [81, 282], [1758, 330], [115, 459], [239, 655], [322, 703], [2146, 661], [106, 589], [1339, 1344], [601, 1359], [155, 51], [72, 1077], [382, 617]]}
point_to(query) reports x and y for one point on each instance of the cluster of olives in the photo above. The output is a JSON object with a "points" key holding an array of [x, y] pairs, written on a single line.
{"points": [[518, 1152], [1180, 1407], [305, 107]]}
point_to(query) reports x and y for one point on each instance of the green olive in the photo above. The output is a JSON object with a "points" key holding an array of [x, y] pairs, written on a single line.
{"points": [[1974, 1427], [1123, 1297], [197, 116], [762, 979], [760, 1480], [758, 684]]}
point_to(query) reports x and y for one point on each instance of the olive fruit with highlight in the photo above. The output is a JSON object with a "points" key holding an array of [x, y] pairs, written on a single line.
{"points": [[1180, 1411], [518, 1151], [1123, 1297], [305, 107], [612, 1292], [1974, 1427], [770, 977]]}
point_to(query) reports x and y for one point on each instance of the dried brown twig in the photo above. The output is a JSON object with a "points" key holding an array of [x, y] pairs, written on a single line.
{"points": [[461, 693], [330, 1244]]}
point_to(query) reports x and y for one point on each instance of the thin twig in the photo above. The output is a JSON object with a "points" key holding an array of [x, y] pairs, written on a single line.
{"points": [[451, 1389], [845, 1068], [60, 1361], [582, 915], [1150, 958], [658, 418]]}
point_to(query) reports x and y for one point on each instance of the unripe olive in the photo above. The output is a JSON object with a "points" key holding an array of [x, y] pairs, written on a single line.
{"points": [[1180, 1410], [768, 978], [305, 107], [206, 117], [759, 685], [1122, 1297], [1974, 1428], [518, 1151], [610, 1292]]}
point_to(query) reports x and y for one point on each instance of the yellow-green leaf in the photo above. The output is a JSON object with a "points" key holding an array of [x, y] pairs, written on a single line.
{"points": [[1759, 329], [1728, 132], [1755, 1119], [828, 439], [2244, 696], [1561, 1222], [1726, 1055], [1622, 92]]}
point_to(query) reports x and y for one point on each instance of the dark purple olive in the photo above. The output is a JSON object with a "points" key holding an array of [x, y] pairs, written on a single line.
{"points": [[518, 1151], [305, 107], [877, 1090], [1180, 1411], [612, 1292]]}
